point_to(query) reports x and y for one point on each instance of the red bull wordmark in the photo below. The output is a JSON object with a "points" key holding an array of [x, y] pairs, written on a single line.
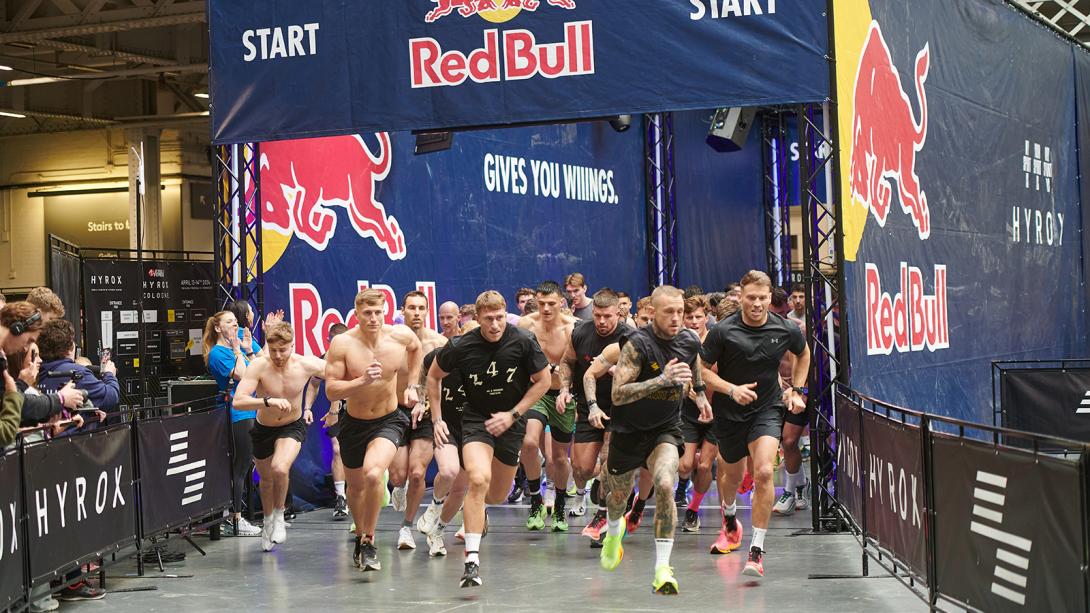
{"points": [[909, 320], [523, 57]]}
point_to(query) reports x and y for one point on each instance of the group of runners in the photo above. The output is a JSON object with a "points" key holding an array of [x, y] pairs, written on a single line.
{"points": [[612, 399]]}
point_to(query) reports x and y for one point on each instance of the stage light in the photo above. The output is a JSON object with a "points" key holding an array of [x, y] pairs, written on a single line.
{"points": [[730, 128], [201, 95], [6, 68], [621, 123], [431, 142], [15, 115]]}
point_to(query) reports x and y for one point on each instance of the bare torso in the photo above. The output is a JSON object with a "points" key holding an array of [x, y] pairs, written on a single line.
{"points": [[349, 357], [288, 383], [429, 340], [554, 339]]}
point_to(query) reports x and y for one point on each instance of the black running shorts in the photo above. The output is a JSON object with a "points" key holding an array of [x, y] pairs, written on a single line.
{"points": [[505, 447], [630, 450], [357, 434], [423, 429], [264, 437], [735, 431]]}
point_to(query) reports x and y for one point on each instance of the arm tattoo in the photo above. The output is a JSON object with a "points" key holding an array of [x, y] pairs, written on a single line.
{"points": [[590, 387], [565, 374], [628, 368]]}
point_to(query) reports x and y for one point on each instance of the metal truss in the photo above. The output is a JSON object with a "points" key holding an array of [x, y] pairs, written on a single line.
{"points": [[661, 191], [774, 138], [1070, 18], [239, 265], [823, 249]]}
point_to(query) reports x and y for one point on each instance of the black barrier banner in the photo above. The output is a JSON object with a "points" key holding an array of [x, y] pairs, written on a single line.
{"points": [[895, 488], [11, 515], [64, 280], [1008, 528], [185, 469], [1047, 400], [79, 498], [849, 465]]}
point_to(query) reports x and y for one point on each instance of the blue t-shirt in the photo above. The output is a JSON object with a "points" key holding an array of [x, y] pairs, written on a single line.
{"points": [[221, 362]]}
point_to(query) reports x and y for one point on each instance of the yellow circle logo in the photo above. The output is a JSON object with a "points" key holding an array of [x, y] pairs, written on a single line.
{"points": [[500, 15]]}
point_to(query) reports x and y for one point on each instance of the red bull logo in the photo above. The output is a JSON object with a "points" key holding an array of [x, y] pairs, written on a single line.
{"points": [[311, 319], [909, 320], [496, 11], [886, 135], [303, 180]]}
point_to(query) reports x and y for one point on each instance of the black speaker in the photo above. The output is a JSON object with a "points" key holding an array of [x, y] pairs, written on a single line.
{"points": [[730, 128]]}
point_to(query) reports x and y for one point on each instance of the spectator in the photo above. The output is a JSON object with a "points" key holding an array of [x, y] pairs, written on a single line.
{"points": [[47, 302], [20, 325], [226, 361], [576, 287], [39, 408], [57, 345], [624, 305], [798, 303]]}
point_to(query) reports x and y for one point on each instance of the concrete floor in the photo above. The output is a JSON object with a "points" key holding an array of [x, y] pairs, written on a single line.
{"points": [[523, 571]]}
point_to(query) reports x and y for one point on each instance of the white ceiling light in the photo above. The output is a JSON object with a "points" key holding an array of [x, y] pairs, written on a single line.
{"points": [[5, 67], [201, 95], [15, 115]]}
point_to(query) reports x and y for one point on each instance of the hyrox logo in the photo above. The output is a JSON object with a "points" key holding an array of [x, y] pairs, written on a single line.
{"points": [[180, 465], [1011, 567], [1037, 165]]}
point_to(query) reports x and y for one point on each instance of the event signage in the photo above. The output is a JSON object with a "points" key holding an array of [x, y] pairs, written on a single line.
{"points": [[184, 468], [849, 460], [80, 498], [1004, 541], [12, 548], [1051, 401], [895, 488], [425, 64]]}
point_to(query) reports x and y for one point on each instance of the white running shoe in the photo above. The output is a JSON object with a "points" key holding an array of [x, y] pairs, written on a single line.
{"points": [[280, 532], [786, 504], [550, 499], [436, 547], [802, 497], [267, 534], [579, 506], [397, 498], [405, 539], [429, 519], [245, 528]]}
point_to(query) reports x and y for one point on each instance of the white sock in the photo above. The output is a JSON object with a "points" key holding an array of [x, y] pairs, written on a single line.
{"points": [[473, 548], [758, 538], [613, 526], [730, 511], [792, 480], [662, 551], [338, 487]]}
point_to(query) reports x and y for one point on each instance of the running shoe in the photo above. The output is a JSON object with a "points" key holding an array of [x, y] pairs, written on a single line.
{"points": [[536, 521], [369, 557], [550, 499], [594, 527], [633, 519], [471, 577], [680, 499], [397, 498], [560, 522], [664, 582], [240, 528], [357, 555], [267, 534], [436, 547], [571, 491], [692, 521], [405, 539], [612, 550], [755, 564], [340, 509], [579, 508], [728, 540], [802, 497], [429, 519], [516, 493], [786, 504], [45, 603], [280, 532], [747, 484], [81, 591]]}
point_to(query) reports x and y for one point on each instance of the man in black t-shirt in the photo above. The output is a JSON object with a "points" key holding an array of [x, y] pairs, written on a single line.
{"points": [[588, 340], [656, 367], [749, 404], [504, 372]]}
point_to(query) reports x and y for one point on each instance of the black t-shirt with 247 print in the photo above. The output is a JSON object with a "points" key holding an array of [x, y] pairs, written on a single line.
{"points": [[495, 376]]}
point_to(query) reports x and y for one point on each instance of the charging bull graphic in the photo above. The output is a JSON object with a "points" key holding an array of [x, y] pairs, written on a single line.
{"points": [[468, 8], [886, 135], [301, 180]]}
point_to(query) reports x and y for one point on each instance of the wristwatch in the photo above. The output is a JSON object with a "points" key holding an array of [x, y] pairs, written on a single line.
{"points": [[805, 391]]}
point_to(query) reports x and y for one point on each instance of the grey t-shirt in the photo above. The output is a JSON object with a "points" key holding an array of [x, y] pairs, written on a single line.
{"points": [[585, 313]]}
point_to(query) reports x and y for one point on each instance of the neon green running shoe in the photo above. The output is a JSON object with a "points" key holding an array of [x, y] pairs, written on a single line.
{"points": [[560, 521], [664, 582], [612, 551], [536, 521]]}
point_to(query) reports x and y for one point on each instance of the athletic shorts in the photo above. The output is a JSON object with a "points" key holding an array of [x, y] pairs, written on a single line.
{"points": [[696, 432], [335, 429], [357, 434], [561, 426], [264, 437], [423, 429], [801, 419], [735, 431], [630, 450], [455, 437], [505, 447]]}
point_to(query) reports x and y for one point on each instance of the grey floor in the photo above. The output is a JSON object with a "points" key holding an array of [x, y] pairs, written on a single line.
{"points": [[311, 573]]}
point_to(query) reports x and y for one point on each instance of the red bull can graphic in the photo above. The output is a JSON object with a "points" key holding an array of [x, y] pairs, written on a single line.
{"points": [[886, 135], [302, 180], [468, 8]]}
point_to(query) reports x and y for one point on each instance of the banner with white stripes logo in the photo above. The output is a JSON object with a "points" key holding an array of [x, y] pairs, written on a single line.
{"points": [[1054, 401], [1008, 528], [184, 468]]}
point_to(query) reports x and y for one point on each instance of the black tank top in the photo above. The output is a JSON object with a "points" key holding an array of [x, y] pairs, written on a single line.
{"points": [[588, 345], [662, 407]]}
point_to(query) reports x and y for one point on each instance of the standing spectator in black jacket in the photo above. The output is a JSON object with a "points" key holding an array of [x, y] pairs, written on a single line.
{"points": [[57, 345]]}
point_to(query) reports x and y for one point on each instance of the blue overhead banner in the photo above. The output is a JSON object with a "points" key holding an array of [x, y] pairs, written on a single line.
{"points": [[288, 69], [501, 210], [962, 224]]}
